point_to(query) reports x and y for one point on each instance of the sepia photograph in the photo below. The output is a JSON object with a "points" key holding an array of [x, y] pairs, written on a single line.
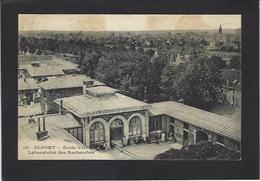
{"points": [[129, 87]]}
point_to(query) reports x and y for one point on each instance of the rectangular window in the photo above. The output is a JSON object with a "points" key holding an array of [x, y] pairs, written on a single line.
{"points": [[155, 124], [220, 139], [172, 120], [185, 135], [186, 126]]}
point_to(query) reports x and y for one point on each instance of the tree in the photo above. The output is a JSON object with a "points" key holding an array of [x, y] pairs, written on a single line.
{"points": [[235, 63], [198, 83], [90, 63]]}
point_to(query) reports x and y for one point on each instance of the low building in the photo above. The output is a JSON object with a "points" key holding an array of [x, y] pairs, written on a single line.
{"points": [[44, 66], [189, 125], [27, 91], [106, 115], [38, 71], [62, 86]]}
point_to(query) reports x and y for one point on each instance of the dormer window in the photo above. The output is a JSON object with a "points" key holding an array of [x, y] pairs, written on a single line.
{"points": [[35, 63]]}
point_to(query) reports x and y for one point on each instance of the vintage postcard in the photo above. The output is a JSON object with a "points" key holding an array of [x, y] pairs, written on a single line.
{"points": [[129, 87]]}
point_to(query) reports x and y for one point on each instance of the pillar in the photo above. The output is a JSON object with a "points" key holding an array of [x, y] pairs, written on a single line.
{"points": [[83, 130], [87, 136], [126, 128], [107, 135], [195, 134], [146, 122]]}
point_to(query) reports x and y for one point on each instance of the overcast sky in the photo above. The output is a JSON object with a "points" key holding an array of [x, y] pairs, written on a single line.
{"points": [[69, 22]]}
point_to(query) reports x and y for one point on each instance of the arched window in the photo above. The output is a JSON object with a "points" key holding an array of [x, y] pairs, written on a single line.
{"points": [[116, 123], [97, 132], [135, 126]]}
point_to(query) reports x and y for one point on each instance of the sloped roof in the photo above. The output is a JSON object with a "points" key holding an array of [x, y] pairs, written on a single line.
{"points": [[44, 70], [209, 121], [228, 111], [84, 106], [27, 84], [66, 81]]}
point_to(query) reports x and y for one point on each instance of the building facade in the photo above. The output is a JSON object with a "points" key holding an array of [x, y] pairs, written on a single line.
{"points": [[188, 125], [107, 116]]}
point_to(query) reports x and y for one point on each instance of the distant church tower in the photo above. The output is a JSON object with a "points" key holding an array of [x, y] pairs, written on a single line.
{"points": [[220, 29]]}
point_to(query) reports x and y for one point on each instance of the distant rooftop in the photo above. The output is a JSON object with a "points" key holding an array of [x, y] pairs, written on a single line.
{"points": [[66, 81], [215, 123], [84, 106], [27, 84], [49, 60], [43, 70], [101, 90]]}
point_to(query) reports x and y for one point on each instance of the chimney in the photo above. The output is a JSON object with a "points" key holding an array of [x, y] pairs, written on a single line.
{"points": [[145, 94], [39, 126], [41, 135], [43, 122], [86, 84]]}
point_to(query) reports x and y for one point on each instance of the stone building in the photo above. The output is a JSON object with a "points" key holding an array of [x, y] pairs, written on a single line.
{"points": [[59, 87], [107, 115]]}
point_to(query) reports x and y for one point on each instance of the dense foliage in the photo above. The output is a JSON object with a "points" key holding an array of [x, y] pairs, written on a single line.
{"points": [[200, 151], [128, 62], [198, 82]]}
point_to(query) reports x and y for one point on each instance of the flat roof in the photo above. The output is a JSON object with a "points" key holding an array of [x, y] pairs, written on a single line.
{"points": [[84, 106], [66, 81], [27, 84], [206, 120], [57, 137], [62, 120]]}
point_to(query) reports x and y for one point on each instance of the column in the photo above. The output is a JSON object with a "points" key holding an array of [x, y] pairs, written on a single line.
{"points": [[195, 134], [147, 122], [83, 130], [107, 135], [87, 136]]}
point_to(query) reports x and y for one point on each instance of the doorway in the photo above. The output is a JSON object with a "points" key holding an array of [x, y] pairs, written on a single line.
{"points": [[116, 130]]}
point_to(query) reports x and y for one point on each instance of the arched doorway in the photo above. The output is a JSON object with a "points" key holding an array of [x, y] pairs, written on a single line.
{"points": [[135, 126], [116, 130], [97, 133], [201, 136]]}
